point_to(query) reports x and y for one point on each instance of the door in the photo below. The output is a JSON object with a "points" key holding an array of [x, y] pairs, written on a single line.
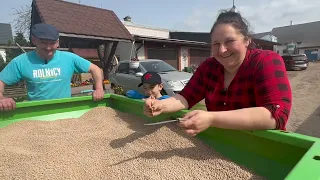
{"points": [[197, 56], [119, 78], [169, 55], [132, 80], [312, 54]]}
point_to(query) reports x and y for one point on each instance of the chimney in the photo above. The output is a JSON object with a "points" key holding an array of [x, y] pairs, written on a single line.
{"points": [[127, 18], [290, 23]]}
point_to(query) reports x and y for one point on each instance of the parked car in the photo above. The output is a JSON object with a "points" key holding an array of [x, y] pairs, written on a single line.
{"points": [[296, 61], [129, 79]]}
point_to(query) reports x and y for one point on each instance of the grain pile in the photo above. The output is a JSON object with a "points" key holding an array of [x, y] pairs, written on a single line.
{"points": [[107, 144]]}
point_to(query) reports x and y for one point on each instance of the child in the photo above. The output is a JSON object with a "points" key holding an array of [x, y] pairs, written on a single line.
{"points": [[152, 85]]}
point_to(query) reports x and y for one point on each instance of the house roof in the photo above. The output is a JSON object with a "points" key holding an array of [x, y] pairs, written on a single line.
{"points": [[260, 35], [170, 40], [264, 42], [77, 20], [307, 33], [5, 33]]}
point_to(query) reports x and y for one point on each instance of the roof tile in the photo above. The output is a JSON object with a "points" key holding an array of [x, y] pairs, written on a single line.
{"points": [[82, 20]]}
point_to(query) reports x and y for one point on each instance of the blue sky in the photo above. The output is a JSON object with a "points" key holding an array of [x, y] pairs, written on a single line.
{"points": [[186, 15]]}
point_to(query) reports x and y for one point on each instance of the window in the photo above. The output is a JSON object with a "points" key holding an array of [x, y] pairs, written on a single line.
{"points": [[157, 66], [134, 71], [123, 68]]}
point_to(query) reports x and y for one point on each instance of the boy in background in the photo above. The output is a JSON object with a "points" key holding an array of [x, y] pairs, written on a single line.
{"points": [[152, 85]]}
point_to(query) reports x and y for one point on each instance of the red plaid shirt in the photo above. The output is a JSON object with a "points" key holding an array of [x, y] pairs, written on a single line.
{"points": [[261, 81]]}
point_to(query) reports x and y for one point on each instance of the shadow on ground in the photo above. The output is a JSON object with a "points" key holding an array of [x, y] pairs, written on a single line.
{"points": [[311, 126]]}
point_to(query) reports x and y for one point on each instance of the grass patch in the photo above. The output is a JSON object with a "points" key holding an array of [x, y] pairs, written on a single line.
{"points": [[199, 106]]}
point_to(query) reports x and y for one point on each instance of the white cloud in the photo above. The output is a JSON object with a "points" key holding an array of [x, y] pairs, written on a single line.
{"points": [[262, 17]]}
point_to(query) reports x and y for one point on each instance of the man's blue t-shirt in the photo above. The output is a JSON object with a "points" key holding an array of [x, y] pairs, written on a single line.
{"points": [[136, 95], [45, 81]]}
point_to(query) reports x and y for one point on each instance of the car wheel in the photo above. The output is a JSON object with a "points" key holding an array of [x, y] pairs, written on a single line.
{"points": [[303, 68]]}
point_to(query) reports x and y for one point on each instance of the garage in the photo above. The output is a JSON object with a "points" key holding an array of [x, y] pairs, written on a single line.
{"points": [[170, 56], [163, 51], [197, 56]]}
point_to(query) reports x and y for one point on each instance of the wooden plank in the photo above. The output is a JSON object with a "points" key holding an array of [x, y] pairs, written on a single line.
{"points": [[16, 90]]}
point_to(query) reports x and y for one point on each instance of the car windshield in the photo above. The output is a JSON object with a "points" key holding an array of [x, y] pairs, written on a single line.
{"points": [[157, 66]]}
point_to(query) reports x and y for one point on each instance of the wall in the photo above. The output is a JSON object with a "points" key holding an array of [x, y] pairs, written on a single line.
{"points": [[279, 49], [124, 50], [3, 53]]}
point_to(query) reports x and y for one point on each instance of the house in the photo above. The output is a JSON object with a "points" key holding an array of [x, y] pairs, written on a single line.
{"points": [[84, 30], [304, 37], [179, 49], [5, 36], [158, 43]]}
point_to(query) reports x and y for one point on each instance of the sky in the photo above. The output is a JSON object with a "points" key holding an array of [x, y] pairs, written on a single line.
{"points": [[189, 15]]}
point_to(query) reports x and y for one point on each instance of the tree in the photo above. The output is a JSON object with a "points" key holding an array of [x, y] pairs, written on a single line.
{"points": [[2, 63], [12, 53], [22, 20]]}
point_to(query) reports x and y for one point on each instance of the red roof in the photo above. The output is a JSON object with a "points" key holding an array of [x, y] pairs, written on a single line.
{"points": [[86, 53], [72, 18]]}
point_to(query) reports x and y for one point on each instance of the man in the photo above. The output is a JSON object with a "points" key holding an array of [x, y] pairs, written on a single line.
{"points": [[152, 85], [46, 70]]}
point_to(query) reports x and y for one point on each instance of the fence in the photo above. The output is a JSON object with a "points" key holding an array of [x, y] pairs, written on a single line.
{"points": [[17, 90]]}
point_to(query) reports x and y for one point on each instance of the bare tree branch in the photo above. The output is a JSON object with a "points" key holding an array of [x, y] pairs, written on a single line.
{"points": [[22, 19]]}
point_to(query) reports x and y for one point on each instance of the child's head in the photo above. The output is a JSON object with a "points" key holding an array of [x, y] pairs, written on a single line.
{"points": [[152, 84]]}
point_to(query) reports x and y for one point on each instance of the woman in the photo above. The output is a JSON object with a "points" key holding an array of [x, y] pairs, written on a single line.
{"points": [[243, 88]]}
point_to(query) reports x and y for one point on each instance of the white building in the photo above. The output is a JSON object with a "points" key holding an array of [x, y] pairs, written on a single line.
{"points": [[159, 43], [5, 36]]}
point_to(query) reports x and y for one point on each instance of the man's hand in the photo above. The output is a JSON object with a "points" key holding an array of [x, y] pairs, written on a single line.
{"points": [[98, 94], [7, 104]]}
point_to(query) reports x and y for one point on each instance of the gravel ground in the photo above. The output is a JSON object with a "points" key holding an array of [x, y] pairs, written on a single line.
{"points": [[305, 113], [108, 144]]}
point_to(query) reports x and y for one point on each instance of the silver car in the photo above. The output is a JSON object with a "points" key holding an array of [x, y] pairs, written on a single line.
{"points": [[129, 79]]}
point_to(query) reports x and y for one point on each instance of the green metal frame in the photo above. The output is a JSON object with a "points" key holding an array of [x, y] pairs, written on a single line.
{"points": [[271, 153]]}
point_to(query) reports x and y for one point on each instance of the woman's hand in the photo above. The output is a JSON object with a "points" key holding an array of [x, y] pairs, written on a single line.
{"points": [[196, 121], [152, 107]]}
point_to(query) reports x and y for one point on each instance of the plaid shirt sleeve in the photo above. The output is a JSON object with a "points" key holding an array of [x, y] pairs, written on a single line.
{"points": [[194, 91], [272, 87]]}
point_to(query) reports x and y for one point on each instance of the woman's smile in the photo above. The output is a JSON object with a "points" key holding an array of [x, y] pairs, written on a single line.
{"points": [[226, 56]]}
